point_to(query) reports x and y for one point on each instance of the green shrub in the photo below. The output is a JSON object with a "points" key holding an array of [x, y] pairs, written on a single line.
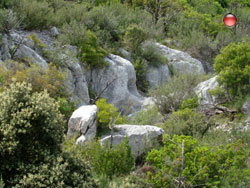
{"points": [[187, 122], [183, 162], [113, 161], [90, 52], [67, 108], [50, 79], [134, 37], [8, 21], [152, 55], [35, 14], [104, 160], [57, 171], [72, 33], [190, 103], [170, 96], [30, 128], [110, 23], [149, 116], [233, 68], [140, 66], [105, 114]]}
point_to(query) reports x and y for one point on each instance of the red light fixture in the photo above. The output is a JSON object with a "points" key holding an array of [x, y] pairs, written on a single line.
{"points": [[230, 20]]}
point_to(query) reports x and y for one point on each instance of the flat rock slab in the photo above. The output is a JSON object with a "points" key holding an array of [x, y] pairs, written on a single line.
{"points": [[141, 137]]}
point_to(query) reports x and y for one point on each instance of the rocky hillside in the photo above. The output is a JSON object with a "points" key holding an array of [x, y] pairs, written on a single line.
{"points": [[116, 82], [119, 93]]}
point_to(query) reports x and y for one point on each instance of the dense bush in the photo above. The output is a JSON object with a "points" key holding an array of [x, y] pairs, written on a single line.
{"points": [[72, 33], [104, 160], [187, 122], [183, 162], [8, 21], [31, 133], [140, 66], [170, 96], [31, 127], [90, 52], [152, 55], [190, 103], [233, 68], [148, 116], [50, 79], [35, 14], [134, 37], [110, 23], [56, 171], [105, 114]]}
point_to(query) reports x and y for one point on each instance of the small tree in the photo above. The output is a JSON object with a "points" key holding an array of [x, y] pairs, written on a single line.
{"points": [[233, 67], [134, 37], [30, 128], [90, 52]]}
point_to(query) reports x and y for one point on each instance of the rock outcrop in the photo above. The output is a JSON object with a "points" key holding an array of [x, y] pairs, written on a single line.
{"points": [[83, 123], [181, 62], [158, 75], [141, 137], [120, 78], [54, 32], [202, 90], [246, 108], [76, 84]]}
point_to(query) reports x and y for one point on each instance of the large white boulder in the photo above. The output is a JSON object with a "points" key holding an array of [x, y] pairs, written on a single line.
{"points": [[141, 137], [117, 83], [202, 91], [181, 62], [83, 123]]}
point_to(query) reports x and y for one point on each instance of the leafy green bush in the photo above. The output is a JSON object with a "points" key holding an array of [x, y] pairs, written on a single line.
{"points": [[190, 103], [105, 114], [149, 116], [183, 162], [187, 122], [104, 160], [35, 14], [170, 96], [113, 161], [233, 68], [57, 171], [67, 108], [110, 23], [90, 52], [72, 33], [152, 55], [134, 37], [31, 127], [140, 66], [50, 79], [8, 21]]}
